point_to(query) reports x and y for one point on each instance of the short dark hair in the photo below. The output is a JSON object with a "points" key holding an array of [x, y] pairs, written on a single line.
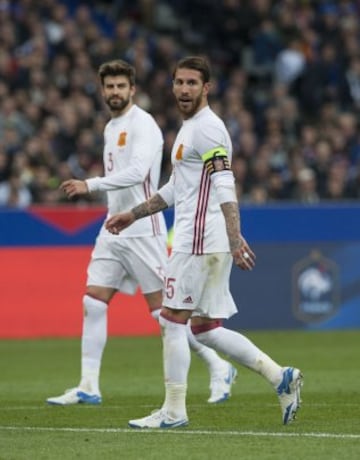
{"points": [[195, 63], [115, 68]]}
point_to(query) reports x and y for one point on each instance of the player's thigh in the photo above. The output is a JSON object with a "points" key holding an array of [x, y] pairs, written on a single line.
{"points": [[107, 267], [184, 281], [154, 299], [200, 284], [216, 300], [146, 260]]}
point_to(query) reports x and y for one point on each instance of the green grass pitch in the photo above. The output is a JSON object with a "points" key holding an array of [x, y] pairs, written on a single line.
{"points": [[246, 427]]}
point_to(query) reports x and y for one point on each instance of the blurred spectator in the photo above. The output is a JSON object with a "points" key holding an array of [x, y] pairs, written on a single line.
{"points": [[290, 62], [258, 194], [4, 166], [351, 88], [266, 45], [353, 186], [336, 181], [305, 188], [321, 163], [14, 193]]}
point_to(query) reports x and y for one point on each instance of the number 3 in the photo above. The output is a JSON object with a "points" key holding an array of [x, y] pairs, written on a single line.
{"points": [[110, 165]]}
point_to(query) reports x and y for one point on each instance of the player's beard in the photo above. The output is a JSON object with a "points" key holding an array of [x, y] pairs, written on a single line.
{"points": [[117, 104], [192, 106]]}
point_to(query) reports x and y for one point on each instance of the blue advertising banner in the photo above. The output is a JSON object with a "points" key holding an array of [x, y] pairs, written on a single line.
{"points": [[307, 274], [299, 285]]}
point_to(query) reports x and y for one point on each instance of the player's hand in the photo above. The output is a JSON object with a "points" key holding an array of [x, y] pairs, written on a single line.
{"points": [[119, 222], [244, 257], [74, 187]]}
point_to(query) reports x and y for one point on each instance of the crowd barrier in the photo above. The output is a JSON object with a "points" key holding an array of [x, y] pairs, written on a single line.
{"points": [[307, 274]]}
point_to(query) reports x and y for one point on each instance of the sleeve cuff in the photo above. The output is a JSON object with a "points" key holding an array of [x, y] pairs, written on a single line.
{"points": [[93, 184]]}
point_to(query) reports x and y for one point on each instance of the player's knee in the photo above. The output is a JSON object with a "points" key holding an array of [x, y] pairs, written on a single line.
{"points": [[94, 307], [175, 316], [203, 329]]}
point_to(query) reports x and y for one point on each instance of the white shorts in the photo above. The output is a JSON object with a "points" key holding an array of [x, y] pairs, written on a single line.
{"points": [[126, 263], [200, 284]]}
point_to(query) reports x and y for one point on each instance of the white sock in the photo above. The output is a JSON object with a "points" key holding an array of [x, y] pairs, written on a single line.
{"points": [[176, 359], [242, 350], [175, 400], [93, 342], [215, 364]]}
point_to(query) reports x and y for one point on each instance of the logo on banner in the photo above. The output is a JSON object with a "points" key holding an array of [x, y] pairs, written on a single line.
{"points": [[316, 288]]}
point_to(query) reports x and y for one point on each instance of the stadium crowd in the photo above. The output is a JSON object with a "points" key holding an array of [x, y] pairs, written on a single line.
{"points": [[287, 84]]}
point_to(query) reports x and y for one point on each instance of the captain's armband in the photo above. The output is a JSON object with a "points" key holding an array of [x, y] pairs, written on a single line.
{"points": [[216, 160]]}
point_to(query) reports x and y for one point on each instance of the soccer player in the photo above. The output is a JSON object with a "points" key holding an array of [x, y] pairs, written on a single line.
{"points": [[132, 160], [207, 239]]}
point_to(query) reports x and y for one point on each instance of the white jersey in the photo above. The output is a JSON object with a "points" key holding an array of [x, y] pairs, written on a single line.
{"points": [[133, 145], [199, 224]]}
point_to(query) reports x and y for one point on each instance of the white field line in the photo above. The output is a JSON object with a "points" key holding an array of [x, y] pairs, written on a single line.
{"points": [[184, 432]]}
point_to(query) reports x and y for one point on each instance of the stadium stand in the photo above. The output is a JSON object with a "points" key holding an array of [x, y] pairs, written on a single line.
{"points": [[286, 81]]}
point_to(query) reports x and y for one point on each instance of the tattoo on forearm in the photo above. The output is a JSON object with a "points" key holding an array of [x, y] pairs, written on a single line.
{"points": [[151, 206], [232, 220]]}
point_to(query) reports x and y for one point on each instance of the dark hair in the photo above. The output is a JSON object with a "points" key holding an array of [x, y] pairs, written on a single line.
{"points": [[195, 63], [115, 68]]}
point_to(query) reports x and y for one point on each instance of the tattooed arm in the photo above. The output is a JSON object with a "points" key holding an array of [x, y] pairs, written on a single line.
{"points": [[232, 220], [238, 245], [243, 255], [119, 222], [163, 199], [155, 204]]}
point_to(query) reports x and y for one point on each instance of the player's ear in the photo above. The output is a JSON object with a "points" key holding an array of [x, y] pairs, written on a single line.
{"points": [[207, 87]]}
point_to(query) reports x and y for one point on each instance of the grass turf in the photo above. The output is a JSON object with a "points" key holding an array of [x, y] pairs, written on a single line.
{"points": [[247, 427]]}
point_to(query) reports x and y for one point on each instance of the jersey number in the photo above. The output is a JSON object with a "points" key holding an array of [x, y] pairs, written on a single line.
{"points": [[110, 163], [170, 288]]}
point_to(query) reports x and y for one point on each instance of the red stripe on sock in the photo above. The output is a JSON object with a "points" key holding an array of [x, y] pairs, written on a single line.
{"points": [[198, 329], [170, 318]]}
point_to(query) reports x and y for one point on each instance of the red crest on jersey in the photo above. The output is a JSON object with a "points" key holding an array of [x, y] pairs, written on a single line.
{"points": [[179, 152], [122, 139]]}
